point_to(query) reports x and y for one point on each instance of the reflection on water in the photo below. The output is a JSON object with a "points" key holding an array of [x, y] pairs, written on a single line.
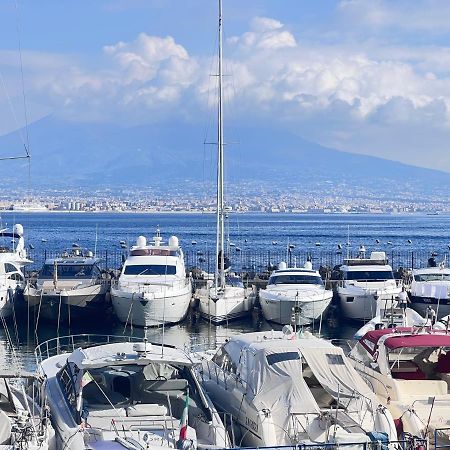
{"points": [[193, 331]]}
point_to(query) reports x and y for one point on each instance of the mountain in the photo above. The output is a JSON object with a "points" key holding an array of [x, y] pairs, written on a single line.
{"points": [[69, 154]]}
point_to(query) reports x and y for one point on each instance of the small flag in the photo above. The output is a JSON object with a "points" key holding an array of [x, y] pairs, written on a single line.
{"points": [[184, 420], [87, 378]]}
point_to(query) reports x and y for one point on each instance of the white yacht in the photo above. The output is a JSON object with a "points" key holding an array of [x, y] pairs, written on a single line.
{"points": [[12, 262], [153, 288], [126, 395], [24, 419], [225, 298], [71, 287], [283, 390], [409, 370], [294, 296], [430, 286], [367, 285], [396, 317]]}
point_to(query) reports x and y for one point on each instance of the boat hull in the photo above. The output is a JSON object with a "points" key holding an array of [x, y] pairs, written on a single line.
{"points": [[86, 303], [364, 305], [151, 309], [421, 304], [284, 310], [233, 303]]}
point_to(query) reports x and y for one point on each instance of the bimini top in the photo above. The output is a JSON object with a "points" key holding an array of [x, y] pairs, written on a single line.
{"points": [[401, 337], [127, 353]]}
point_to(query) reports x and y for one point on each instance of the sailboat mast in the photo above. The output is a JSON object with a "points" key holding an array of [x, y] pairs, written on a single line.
{"points": [[220, 256]]}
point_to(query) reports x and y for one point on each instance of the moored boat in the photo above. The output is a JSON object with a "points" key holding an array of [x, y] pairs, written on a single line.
{"points": [[367, 285], [294, 296], [225, 298], [130, 394], [12, 262], [283, 389], [153, 288], [430, 286], [409, 370], [69, 287]]}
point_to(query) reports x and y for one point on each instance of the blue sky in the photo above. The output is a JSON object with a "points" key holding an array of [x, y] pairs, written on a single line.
{"points": [[365, 76]]}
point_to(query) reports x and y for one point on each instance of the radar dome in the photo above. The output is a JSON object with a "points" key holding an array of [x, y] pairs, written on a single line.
{"points": [[282, 266], [173, 241], [308, 265], [141, 241], [18, 229]]}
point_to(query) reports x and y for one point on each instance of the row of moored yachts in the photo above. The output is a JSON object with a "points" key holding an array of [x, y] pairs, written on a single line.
{"points": [[259, 389], [154, 288]]}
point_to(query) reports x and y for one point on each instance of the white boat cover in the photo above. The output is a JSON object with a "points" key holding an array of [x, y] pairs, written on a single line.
{"points": [[431, 289], [339, 378], [273, 373]]}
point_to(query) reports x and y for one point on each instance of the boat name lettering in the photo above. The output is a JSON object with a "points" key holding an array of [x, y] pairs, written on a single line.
{"points": [[251, 424]]}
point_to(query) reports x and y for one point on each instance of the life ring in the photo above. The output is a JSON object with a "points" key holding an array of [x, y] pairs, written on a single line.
{"points": [[375, 356]]}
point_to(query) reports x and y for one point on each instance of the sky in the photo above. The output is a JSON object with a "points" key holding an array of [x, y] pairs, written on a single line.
{"points": [[363, 76]]}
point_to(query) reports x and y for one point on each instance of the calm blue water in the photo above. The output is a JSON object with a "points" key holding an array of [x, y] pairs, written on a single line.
{"points": [[248, 231], [57, 231]]}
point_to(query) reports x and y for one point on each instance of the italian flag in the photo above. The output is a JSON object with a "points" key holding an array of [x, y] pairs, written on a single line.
{"points": [[184, 419], [87, 378]]}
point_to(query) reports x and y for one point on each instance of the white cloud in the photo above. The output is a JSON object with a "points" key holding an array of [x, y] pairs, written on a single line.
{"points": [[364, 98], [265, 34]]}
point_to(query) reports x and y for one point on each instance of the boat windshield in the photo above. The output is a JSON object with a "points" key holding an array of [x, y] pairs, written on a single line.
{"points": [[155, 389], [234, 281], [432, 277], [419, 363], [68, 271], [149, 269], [369, 275], [295, 279]]}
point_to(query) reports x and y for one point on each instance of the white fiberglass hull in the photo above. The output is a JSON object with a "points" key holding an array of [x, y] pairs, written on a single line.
{"points": [[220, 306], [286, 308], [362, 304], [151, 308]]}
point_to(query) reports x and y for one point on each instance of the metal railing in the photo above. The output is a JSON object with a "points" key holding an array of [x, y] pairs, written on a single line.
{"points": [[67, 344], [259, 261], [411, 443]]}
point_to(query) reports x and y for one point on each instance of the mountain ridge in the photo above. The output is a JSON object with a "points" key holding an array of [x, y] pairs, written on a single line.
{"points": [[72, 153]]}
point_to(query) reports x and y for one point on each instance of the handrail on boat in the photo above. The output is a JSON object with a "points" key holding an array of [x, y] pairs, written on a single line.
{"points": [[69, 343]]}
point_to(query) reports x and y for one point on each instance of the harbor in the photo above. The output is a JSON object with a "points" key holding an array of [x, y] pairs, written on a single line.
{"points": [[51, 324], [294, 295]]}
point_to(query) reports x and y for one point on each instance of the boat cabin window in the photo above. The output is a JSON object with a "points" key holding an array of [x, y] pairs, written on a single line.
{"points": [[224, 361], [149, 269], [69, 271], [432, 277], [295, 279], [275, 358], [334, 359], [419, 363], [10, 268], [369, 275], [67, 377], [16, 277]]}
